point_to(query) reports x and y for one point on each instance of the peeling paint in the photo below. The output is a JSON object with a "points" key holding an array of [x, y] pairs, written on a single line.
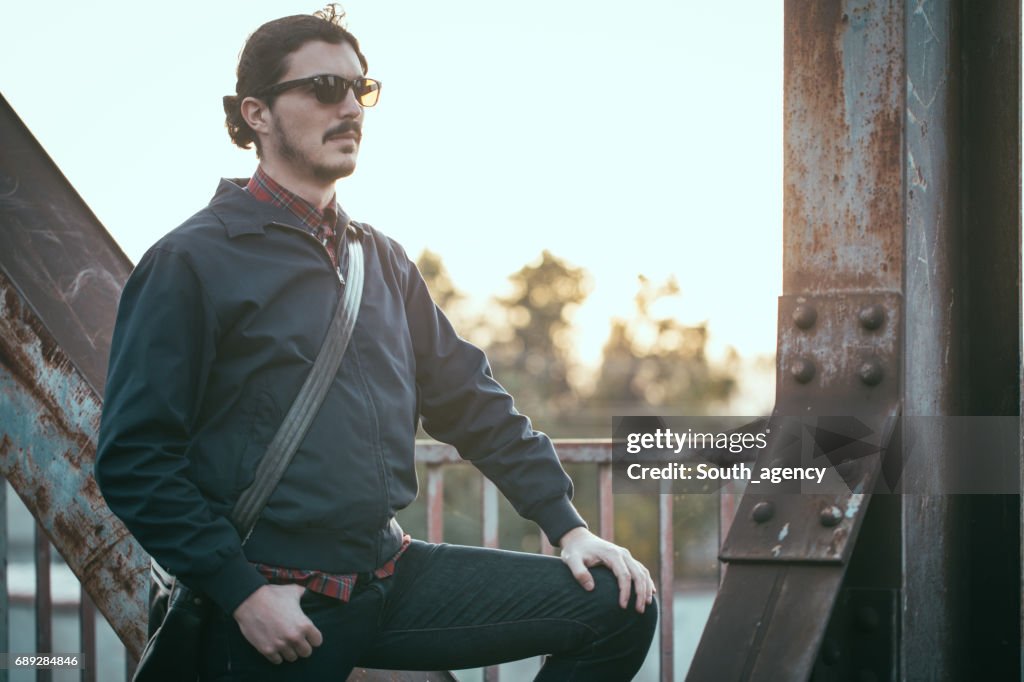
{"points": [[853, 505]]}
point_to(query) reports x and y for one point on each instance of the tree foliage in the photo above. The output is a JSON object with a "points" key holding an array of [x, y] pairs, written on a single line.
{"points": [[655, 361], [532, 351]]}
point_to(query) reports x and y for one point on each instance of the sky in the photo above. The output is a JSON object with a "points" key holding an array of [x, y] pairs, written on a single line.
{"points": [[626, 138]]}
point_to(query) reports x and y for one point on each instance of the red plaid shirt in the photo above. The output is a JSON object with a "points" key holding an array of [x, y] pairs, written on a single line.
{"points": [[321, 224], [334, 585]]}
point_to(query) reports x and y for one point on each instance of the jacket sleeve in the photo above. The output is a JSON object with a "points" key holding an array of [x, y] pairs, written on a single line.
{"points": [[463, 405], [160, 357]]}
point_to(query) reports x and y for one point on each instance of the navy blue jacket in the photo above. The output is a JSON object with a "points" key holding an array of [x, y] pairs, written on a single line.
{"points": [[216, 330]]}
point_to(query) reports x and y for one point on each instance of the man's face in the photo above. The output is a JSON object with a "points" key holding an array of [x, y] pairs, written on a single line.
{"points": [[316, 140]]}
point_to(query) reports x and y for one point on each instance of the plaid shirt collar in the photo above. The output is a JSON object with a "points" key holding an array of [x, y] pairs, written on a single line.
{"points": [[321, 224]]}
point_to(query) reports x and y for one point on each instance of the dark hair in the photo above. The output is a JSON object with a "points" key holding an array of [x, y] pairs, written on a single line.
{"points": [[264, 60]]}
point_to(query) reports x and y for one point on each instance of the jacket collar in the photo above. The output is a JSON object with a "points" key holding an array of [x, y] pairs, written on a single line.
{"points": [[242, 213]]}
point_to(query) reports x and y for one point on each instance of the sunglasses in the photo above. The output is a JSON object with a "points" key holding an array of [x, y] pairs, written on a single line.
{"points": [[331, 89]]}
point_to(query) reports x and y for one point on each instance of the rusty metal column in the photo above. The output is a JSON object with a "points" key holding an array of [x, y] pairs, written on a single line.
{"points": [[932, 619], [840, 342], [963, 331]]}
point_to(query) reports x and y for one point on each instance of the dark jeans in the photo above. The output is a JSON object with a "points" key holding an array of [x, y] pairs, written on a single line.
{"points": [[450, 607]]}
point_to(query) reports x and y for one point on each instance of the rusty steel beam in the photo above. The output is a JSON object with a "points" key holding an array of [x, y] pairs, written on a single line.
{"points": [[60, 278], [840, 332], [56, 252], [843, 176], [933, 621], [963, 137], [902, 183], [50, 416]]}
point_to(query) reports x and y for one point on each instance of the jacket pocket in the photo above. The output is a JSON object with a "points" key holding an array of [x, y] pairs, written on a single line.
{"points": [[228, 450], [261, 421]]}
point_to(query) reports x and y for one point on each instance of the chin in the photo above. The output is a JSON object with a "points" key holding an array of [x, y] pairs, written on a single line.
{"points": [[336, 171]]}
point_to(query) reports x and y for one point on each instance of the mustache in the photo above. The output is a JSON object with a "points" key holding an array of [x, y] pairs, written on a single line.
{"points": [[345, 127]]}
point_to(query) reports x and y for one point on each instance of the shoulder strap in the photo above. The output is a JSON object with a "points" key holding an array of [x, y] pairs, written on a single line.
{"points": [[307, 403]]}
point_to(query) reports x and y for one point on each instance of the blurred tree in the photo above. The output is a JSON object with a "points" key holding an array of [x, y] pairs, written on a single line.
{"points": [[442, 289], [531, 354], [655, 361]]}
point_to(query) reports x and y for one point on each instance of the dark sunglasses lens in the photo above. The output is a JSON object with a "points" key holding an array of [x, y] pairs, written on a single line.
{"points": [[367, 91], [329, 89]]}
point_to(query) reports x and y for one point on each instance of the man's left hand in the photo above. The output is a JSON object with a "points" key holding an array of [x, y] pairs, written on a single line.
{"points": [[582, 549]]}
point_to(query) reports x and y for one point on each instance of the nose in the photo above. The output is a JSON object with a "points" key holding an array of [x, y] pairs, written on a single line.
{"points": [[349, 107]]}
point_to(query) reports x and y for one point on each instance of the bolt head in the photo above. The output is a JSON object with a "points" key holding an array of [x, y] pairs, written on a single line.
{"points": [[871, 372], [831, 516], [872, 316], [803, 370], [804, 316], [763, 511]]}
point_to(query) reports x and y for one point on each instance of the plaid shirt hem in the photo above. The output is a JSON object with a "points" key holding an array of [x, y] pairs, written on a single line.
{"points": [[338, 586]]}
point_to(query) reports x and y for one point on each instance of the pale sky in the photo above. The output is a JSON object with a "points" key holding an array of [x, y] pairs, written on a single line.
{"points": [[627, 138]]}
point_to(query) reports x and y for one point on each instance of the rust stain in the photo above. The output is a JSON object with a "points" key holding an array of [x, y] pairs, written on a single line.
{"points": [[22, 368], [42, 502], [843, 144]]}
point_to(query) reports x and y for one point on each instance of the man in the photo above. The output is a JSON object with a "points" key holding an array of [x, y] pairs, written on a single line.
{"points": [[218, 327]]}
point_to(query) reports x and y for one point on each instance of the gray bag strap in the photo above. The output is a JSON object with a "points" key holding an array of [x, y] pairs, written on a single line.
{"points": [[311, 396]]}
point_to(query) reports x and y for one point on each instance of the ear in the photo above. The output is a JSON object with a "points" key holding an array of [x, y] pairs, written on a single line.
{"points": [[257, 114]]}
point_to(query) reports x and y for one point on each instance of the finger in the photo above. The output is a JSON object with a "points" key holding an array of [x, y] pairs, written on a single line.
{"points": [[303, 648], [272, 656], [313, 635], [624, 577], [289, 654], [644, 586], [579, 571], [641, 586]]}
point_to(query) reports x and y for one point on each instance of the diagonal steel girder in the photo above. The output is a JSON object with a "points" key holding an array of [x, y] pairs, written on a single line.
{"points": [[60, 278]]}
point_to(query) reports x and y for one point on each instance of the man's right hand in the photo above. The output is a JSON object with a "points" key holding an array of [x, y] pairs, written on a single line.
{"points": [[273, 622]]}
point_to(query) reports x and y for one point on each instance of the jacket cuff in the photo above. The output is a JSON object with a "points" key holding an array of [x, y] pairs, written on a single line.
{"points": [[556, 518], [232, 584]]}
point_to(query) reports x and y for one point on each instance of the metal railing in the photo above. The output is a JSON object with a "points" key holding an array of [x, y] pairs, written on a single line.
{"points": [[435, 457]]}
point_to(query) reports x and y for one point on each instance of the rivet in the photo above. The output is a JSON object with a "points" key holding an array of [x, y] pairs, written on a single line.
{"points": [[804, 316], [803, 370], [871, 372], [831, 516], [872, 316], [830, 652], [763, 511]]}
